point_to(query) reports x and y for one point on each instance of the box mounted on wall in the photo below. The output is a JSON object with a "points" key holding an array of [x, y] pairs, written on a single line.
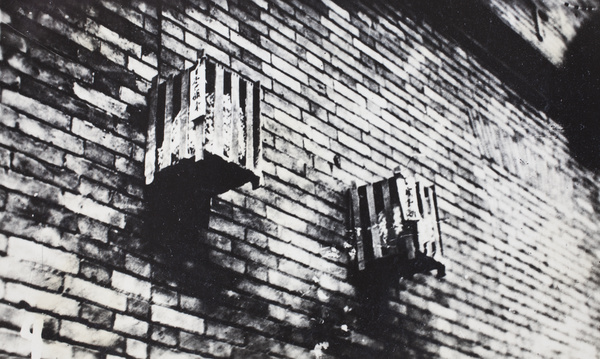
{"points": [[396, 217], [204, 123]]}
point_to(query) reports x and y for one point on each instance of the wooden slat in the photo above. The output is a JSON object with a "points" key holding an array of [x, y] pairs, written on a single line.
{"points": [[235, 118], [217, 139], [176, 143], [360, 250], [185, 101], [150, 160], [373, 218], [200, 77], [249, 114], [408, 199], [436, 216], [197, 107], [389, 213], [165, 161], [256, 125]]}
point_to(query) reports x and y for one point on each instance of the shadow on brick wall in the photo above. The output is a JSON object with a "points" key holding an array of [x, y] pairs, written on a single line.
{"points": [[180, 206], [576, 101]]}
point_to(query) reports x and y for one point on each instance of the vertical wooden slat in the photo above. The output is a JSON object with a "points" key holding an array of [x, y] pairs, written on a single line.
{"points": [[360, 250], [166, 145], [197, 107], [389, 214], [424, 230], [256, 125], [176, 144], [249, 112], [235, 118], [217, 139], [436, 218], [408, 199], [200, 75], [150, 159], [185, 101], [406, 216], [373, 218]]}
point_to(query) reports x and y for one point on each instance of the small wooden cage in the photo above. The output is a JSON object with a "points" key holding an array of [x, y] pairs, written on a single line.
{"points": [[206, 117], [394, 217]]}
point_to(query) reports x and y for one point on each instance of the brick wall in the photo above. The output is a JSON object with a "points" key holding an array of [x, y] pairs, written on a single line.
{"points": [[349, 93]]}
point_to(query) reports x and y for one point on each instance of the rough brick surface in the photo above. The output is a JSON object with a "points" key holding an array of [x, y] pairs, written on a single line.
{"points": [[349, 93]]}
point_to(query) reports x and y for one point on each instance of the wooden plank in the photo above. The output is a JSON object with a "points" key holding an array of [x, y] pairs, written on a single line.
{"points": [[199, 75], [235, 118], [408, 198], [176, 144], [256, 125], [197, 106], [360, 250], [374, 222], [389, 217], [436, 220], [249, 115], [217, 145], [150, 160], [185, 122], [165, 158], [424, 230]]}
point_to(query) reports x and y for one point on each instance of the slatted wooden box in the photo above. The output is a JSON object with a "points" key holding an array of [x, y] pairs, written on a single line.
{"points": [[205, 123], [394, 217]]}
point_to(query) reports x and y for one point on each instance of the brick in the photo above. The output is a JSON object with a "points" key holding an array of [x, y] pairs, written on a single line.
{"points": [[226, 226], [37, 253], [90, 208], [289, 283], [164, 297], [227, 261], [177, 319], [97, 315], [24, 65], [14, 343], [100, 100], [28, 185], [251, 47], [285, 80], [94, 190], [72, 34], [104, 33], [143, 70], [226, 333], [35, 109], [46, 133], [17, 293], [164, 335], [130, 325], [253, 254], [86, 335], [55, 175], [131, 97], [161, 353], [203, 345], [138, 266], [95, 293], [131, 284], [135, 348]]}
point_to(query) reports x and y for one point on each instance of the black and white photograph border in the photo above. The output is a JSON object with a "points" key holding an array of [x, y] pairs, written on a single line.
{"points": [[318, 179]]}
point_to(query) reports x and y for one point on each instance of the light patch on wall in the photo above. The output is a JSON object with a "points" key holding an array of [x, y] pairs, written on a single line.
{"points": [[31, 330]]}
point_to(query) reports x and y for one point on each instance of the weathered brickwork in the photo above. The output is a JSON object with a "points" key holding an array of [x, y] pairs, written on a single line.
{"points": [[349, 93]]}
